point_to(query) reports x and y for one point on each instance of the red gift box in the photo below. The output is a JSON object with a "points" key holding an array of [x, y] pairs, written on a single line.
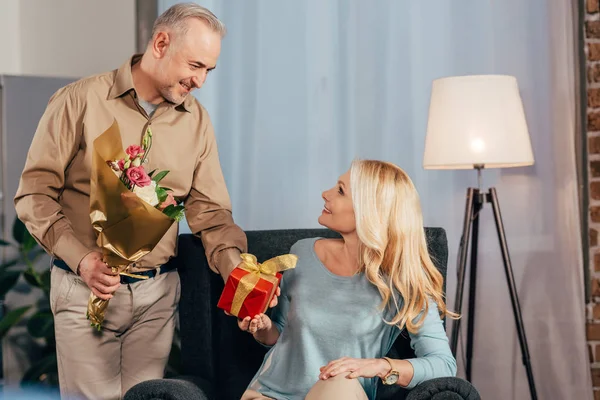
{"points": [[251, 286], [253, 303]]}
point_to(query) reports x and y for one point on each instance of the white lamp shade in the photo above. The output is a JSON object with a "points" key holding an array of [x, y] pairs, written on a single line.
{"points": [[476, 121]]}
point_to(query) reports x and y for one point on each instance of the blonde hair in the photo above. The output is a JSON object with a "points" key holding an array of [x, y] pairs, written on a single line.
{"points": [[175, 19], [394, 255]]}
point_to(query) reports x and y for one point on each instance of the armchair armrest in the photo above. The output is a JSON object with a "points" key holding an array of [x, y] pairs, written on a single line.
{"points": [[179, 388], [449, 388]]}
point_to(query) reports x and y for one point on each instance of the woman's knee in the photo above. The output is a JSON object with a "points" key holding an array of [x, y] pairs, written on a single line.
{"points": [[338, 387]]}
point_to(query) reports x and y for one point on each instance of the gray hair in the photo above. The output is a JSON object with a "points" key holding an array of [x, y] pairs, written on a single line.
{"points": [[176, 16]]}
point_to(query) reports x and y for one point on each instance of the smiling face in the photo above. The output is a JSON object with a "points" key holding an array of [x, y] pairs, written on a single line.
{"points": [[184, 60], [338, 212]]}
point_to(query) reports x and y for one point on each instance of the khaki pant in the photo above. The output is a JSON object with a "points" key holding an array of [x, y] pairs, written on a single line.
{"points": [[336, 388], [133, 346]]}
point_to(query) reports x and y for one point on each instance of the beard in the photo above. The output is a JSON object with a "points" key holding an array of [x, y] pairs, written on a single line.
{"points": [[169, 93]]}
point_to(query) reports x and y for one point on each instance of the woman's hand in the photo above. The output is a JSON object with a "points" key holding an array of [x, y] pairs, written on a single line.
{"points": [[358, 367], [261, 327], [260, 322]]}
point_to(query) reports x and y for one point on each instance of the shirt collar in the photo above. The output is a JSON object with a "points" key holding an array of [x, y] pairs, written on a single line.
{"points": [[123, 83]]}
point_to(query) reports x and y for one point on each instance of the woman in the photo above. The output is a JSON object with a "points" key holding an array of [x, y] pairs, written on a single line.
{"points": [[348, 299]]}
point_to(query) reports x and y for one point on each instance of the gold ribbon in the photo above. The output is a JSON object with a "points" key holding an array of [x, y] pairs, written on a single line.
{"points": [[125, 272], [257, 271]]}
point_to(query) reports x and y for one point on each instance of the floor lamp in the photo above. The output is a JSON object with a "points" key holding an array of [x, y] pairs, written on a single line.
{"points": [[478, 122]]}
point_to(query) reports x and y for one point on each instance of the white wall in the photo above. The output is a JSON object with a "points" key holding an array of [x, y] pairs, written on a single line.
{"points": [[66, 38], [10, 61]]}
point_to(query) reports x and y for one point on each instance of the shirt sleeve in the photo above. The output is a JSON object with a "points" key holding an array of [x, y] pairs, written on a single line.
{"points": [[208, 207], [55, 144], [433, 356]]}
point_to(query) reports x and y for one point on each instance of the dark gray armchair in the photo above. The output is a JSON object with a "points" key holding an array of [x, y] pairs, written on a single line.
{"points": [[219, 360]]}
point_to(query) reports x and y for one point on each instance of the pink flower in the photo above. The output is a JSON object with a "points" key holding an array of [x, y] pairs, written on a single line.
{"points": [[138, 176], [169, 201], [133, 151], [121, 164]]}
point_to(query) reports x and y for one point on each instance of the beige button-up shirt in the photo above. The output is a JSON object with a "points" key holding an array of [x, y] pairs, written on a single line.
{"points": [[53, 196]]}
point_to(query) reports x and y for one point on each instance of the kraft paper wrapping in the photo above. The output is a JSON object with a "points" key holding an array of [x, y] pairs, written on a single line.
{"points": [[127, 227]]}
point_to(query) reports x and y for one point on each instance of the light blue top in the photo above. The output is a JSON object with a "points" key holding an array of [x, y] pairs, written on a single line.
{"points": [[322, 317]]}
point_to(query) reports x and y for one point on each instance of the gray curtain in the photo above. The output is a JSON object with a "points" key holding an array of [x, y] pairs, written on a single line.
{"points": [[304, 87]]}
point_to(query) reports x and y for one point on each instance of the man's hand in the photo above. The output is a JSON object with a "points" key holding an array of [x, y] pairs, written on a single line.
{"points": [[274, 301], [227, 261], [98, 276]]}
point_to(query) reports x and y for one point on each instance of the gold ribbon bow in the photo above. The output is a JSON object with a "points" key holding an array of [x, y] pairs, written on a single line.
{"points": [[266, 270]]}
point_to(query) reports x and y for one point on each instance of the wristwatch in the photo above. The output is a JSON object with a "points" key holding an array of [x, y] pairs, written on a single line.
{"points": [[392, 377]]}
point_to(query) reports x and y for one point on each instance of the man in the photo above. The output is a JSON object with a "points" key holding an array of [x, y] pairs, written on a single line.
{"points": [[152, 89]]}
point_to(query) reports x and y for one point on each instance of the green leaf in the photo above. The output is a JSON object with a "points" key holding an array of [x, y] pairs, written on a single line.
{"points": [[151, 173], [40, 370], [8, 279], [22, 236], [174, 212], [18, 231], [160, 176], [9, 264], [161, 194], [4, 243], [28, 242], [33, 278], [41, 324], [12, 318]]}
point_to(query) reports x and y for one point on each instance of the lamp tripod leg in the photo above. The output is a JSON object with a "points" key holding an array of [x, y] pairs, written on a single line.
{"points": [[477, 205], [461, 267], [493, 198]]}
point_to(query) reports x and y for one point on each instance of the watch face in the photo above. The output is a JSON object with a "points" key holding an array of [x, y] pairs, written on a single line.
{"points": [[391, 379]]}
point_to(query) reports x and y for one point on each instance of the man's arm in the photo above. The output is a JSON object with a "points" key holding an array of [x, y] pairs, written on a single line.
{"points": [[54, 145], [208, 208]]}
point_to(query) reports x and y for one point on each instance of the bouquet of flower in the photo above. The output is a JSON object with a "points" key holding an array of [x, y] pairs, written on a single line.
{"points": [[132, 173], [129, 210]]}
